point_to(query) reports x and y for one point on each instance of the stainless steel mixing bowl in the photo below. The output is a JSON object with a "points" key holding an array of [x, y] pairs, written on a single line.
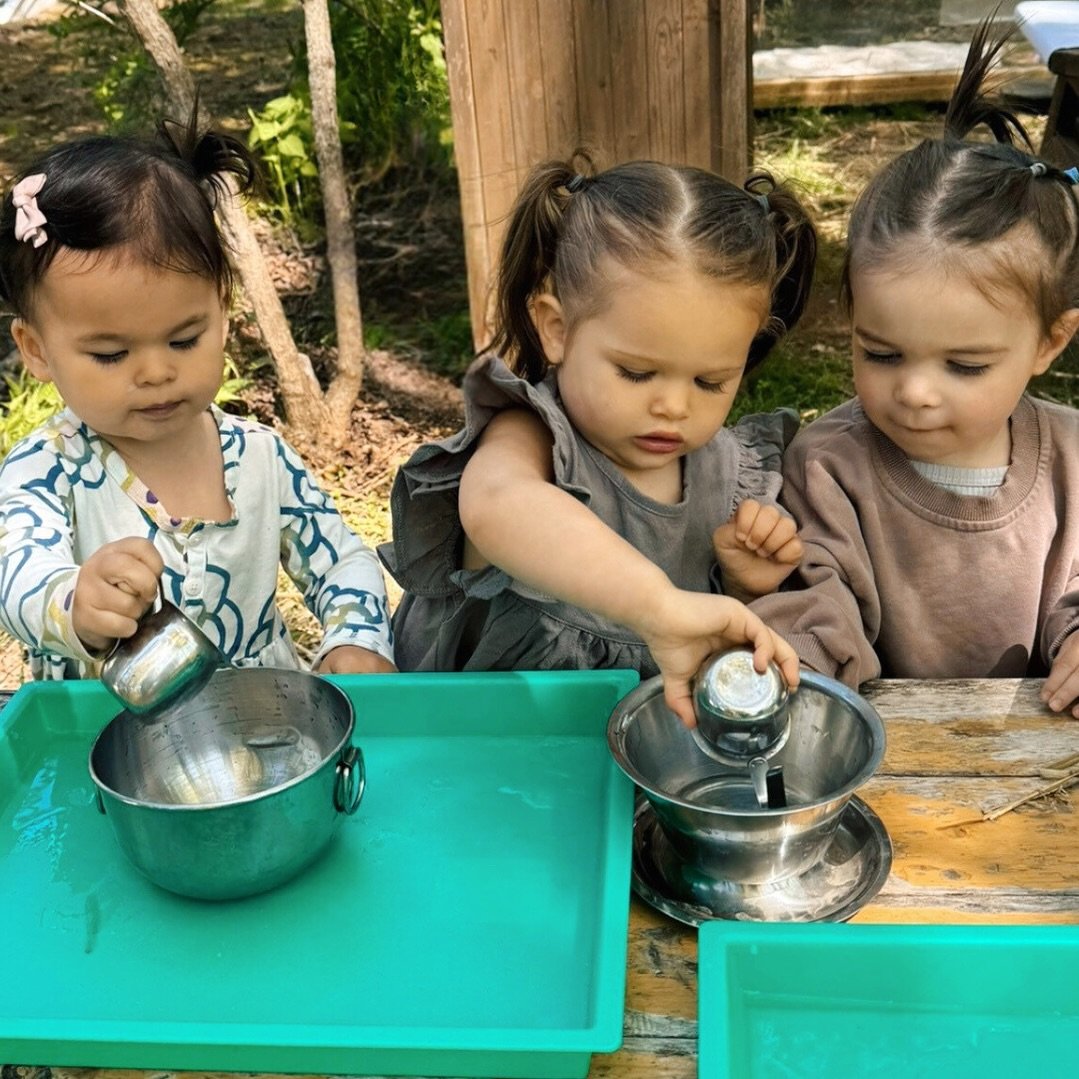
{"points": [[236, 789], [710, 812]]}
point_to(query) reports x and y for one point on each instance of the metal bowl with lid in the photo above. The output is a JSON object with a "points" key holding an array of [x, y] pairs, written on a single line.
{"points": [[710, 812]]}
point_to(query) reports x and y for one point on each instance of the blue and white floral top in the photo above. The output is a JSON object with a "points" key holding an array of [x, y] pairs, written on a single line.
{"points": [[64, 492]]}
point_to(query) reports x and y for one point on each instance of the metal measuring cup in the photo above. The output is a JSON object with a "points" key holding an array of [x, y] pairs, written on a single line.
{"points": [[166, 659], [743, 719]]}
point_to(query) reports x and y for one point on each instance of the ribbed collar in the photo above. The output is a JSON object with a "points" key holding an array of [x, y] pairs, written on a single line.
{"points": [[1029, 460]]}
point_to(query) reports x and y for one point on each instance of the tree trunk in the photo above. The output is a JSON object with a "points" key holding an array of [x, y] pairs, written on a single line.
{"points": [[340, 237], [305, 409]]}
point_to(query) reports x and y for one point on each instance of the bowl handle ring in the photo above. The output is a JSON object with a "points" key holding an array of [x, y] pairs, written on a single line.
{"points": [[350, 782]]}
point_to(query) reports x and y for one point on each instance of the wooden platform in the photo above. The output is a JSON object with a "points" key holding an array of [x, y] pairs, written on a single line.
{"points": [[873, 75]]}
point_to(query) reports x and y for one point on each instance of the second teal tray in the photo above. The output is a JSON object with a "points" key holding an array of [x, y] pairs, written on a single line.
{"points": [[887, 1001]]}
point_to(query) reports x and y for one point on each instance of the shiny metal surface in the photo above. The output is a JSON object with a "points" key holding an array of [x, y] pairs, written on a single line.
{"points": [[710, 813], [741, 712], [166, 659], [234, 790], [853, 870]]}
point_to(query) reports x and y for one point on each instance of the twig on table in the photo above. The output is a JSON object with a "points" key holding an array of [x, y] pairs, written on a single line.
{"points": [[1064, 773]]}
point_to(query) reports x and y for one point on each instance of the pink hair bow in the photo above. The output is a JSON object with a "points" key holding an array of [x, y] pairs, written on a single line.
{"points": [[29, 220]]}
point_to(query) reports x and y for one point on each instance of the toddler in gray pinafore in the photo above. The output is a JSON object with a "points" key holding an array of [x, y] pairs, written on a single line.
{"points": [[452, 619]]}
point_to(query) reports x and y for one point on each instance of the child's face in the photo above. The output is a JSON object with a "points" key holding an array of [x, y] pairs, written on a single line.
{"points": [[136, 352], [652, 377], [939, 368]]}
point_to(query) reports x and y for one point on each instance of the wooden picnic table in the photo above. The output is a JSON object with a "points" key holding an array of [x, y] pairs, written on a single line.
{"points": [[955, 749]]}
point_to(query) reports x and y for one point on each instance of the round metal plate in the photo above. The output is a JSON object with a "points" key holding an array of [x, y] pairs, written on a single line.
{"points": [[853, 870]]}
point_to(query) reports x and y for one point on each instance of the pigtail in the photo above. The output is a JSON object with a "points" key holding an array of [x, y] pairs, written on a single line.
{"points": [[795, 260], [969, 106], [220, 163], [528, 258]]}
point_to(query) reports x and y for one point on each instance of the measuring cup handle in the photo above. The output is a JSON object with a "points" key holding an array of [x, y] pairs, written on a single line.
{"points": [[350, 781]]}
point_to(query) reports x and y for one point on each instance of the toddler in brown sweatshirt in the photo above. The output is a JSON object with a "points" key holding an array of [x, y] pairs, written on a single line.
{"points": [[939, 511]]}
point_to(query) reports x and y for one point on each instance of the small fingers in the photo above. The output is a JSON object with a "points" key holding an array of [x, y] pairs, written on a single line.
{"points": [[1060, 693], [676, 693], [754, 523], [790, 553]]}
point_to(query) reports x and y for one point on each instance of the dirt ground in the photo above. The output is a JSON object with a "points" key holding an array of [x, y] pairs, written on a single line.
{"points": [[409, 233]]}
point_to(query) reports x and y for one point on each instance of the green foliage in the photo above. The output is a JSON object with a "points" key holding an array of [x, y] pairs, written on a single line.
{"points": [[444, 341], [29, 404], [809, 379], [129, 92], [393, 105], [283, 136], [392, 86], [232, 385]]}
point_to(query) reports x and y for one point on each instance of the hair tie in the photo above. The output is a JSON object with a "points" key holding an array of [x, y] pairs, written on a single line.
{"points": [[763, 200], [1039, 168], [29, 220], [577, 183], [1072, 175]]}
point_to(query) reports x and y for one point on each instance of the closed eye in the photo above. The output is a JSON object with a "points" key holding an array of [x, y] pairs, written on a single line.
{"points": [[967, 369], [186, 343], [107, 357], [633, 376], [711, 387], [880, 357]]}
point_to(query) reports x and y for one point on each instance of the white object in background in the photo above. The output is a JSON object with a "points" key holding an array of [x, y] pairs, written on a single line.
{"points": [[1049, 25]]}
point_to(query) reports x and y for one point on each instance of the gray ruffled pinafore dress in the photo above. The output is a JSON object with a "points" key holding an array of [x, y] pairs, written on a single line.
{"points": [[451, 619]]}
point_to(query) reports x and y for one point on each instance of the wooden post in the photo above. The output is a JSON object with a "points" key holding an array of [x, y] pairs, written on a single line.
{"points": [[534, 79]]}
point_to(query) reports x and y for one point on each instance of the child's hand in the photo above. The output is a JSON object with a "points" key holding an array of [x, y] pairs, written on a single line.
{"points": [[756, 550], [1062, 686], [688, 627], [350, 659], [115, 585]]}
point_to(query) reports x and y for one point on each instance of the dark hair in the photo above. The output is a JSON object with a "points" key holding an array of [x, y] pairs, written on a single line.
{"points": [[567, 220], [948, 200], [155, 196]]}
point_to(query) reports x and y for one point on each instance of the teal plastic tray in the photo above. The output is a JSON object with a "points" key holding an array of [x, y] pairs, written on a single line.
{"points": [[888, 1001], [469, 920]]}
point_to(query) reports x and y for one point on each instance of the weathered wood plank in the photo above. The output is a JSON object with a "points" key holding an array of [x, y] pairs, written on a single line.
{"points": [[731, 85], [466, 145], [970, 727], [698, 82], [1029, 849], [596, 91], [666, 59], [661, 964], [527, 102], [556, 51], [878, 89], [629, 68]]}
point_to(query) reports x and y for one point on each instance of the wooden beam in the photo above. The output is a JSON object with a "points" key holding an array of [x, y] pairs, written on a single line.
{"points": [[877, 89]]}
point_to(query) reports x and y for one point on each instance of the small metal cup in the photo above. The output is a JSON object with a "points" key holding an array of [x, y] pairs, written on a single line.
{"points": [[166, 659], [741, 713]]}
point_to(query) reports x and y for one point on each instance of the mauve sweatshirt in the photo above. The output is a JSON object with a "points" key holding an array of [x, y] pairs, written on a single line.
{"points": [[904, 579]]}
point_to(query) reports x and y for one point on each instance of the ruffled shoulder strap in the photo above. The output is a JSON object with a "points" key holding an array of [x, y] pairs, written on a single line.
{"points": [[762, 438], [427, 534]]}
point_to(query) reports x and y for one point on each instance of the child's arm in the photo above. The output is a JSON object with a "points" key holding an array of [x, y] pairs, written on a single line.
{"points": [[339, 575], [518, 520], [757, 549], [47, 600], [834, 618]]}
